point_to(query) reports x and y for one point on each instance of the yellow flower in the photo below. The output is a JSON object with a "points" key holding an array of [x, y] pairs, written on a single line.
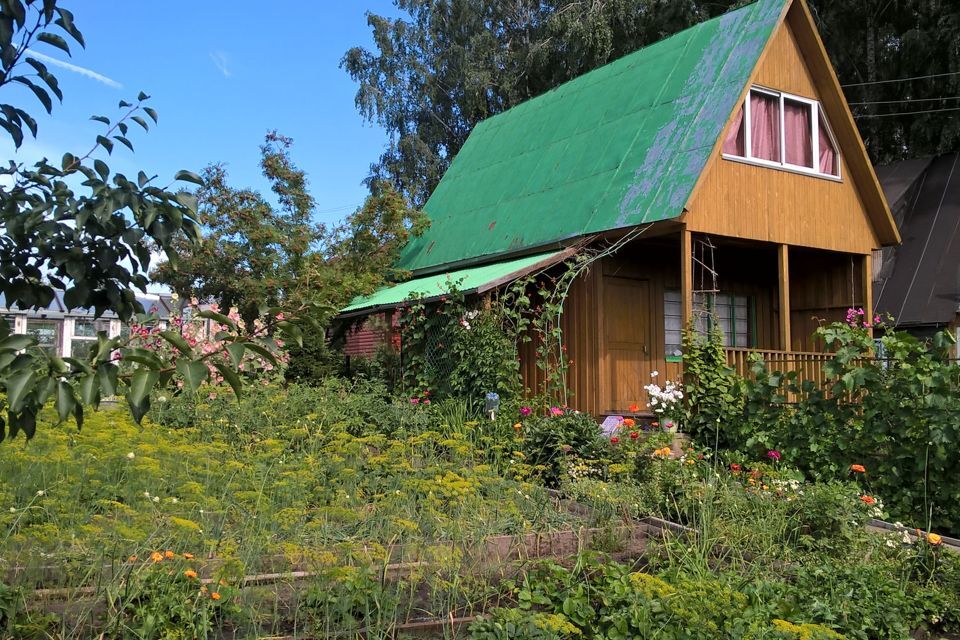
{"points": [[156, 556], [934, 538], [518, 426], [190, 573]]}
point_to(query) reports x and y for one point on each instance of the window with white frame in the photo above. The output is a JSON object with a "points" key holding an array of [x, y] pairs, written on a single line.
{"points": [[730, 313], [83, 342], [783, 130]]}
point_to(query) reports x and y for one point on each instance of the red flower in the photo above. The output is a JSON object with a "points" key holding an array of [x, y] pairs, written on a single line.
{"points": [[654, 424], [868, 500], [614, 439], [858, 468], [735, 467], [633, 408], [634, 435]]}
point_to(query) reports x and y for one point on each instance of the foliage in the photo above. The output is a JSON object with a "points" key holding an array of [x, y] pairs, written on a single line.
{"points": [[253, 255], [164, 598], [94, 245], [516, 624], [895, 415], [560, 438], [712, 387], [441, 67], [451, 348]]}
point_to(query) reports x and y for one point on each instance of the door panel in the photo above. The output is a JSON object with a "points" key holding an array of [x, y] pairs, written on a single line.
{"points": [[628, 353]]}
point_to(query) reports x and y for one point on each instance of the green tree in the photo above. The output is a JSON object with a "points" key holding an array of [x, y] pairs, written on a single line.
{"points": [[445, 65], [93, 240], [253, 254]]}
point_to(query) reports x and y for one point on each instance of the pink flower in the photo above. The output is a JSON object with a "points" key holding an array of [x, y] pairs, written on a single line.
{"points": [[414, 400], [426, 401], [773, 454], [556, 411], [525, 411]]}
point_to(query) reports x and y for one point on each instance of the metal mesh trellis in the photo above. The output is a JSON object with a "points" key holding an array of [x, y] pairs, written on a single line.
{"points": [[436, 353]]}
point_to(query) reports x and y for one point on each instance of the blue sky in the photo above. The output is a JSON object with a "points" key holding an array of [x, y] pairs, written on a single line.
{"points": [[220, 75]]}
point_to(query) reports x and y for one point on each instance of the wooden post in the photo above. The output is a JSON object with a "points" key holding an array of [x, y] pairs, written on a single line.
{"points": [[868, 291], [686, 277], [783, 278]]}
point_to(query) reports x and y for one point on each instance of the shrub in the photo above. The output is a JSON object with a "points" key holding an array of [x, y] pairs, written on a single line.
{"points": [[550, 442]]}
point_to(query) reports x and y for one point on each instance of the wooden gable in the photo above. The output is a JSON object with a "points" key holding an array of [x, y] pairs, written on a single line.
{"points": [[769, 204]]}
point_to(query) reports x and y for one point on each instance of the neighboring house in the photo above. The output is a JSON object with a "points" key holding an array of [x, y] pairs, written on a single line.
{"points": [[918, 282], [724, 165], [73, 333]]}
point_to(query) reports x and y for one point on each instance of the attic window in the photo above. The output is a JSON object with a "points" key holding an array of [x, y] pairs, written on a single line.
{"points": [[781, 130]]}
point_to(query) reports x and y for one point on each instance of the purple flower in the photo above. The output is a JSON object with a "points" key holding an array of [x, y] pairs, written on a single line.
{"points": [[773, 454], [525, 411]]}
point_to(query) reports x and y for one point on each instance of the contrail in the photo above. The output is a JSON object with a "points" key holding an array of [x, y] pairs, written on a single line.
{"points": [[93, 75]]}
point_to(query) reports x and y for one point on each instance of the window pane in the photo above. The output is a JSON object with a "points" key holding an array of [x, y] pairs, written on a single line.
{"points": [[735, 142], [82, 349], [798, 133], [672, 322], [90, 328], [764, 126], [47, 334], [829, 161]]}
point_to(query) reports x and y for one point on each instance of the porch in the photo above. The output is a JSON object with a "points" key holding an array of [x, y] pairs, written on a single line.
{"points": [[623, 320]]}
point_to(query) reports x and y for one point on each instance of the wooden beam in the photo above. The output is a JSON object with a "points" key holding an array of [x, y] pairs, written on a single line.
{"points": [[867, 275], [783, 279], [686, 276]]}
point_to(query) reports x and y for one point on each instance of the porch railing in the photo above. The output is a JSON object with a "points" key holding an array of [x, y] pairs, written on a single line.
{"points": [[807, 364]]}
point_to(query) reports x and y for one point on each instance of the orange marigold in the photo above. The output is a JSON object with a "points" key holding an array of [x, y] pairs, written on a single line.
{"points": [[868, 499], [858, 468], [169, 554], [629, 422], [633, 408], [190, 573], [188, 556], [156, 556], [214, 596]]}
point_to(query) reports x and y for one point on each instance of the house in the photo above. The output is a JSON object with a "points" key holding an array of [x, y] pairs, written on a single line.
{"points": [[724, 167], [918, 282], [73, 332]]}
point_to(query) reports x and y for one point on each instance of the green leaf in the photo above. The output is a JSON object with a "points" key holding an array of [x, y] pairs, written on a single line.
{"points": [[261, 351], [19, 386], [141, 384], [140, 121], [102, 169], [151, 112], [106, 143], [194, 373], [17, 342], [54, 40], [65, 400], [124, 141], [142, 96], [231, 377], [104, 119], [177, 341], [107, 374], [236, 352], [218, 317], [89, 390], [188, 176]]}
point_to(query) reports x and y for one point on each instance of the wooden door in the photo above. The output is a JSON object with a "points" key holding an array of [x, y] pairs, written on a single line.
{"points": [[627, 336]]}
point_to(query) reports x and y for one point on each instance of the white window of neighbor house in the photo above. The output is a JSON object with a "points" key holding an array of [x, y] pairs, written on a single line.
{"points": [[778, 129], [83, 342], [672, 322], [729, 313]]}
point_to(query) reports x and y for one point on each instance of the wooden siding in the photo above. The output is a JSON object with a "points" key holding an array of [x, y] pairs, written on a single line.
{"points": [[823, 286], [762, 203]]}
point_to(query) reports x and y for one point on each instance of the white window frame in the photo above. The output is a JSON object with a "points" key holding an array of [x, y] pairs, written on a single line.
{"points": [[783, 165]]}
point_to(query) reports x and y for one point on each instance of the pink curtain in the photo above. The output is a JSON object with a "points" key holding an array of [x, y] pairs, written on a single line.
{"points": [[828, 154], [798, 133], [735, 142], [764, 126]]}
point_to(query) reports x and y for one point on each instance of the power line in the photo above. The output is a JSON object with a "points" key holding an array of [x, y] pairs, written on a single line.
{"points": [[904, 100], [935, 75], [905, 113]]}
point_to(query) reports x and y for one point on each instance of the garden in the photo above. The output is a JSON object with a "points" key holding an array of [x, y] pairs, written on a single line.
{"points": [[345, 509]]}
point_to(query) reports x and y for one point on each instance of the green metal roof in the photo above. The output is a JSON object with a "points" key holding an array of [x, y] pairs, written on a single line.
{"points": [[470, 280], [620, 146]]}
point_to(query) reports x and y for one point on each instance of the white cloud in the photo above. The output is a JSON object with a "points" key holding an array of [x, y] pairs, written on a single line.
{"points": [[222, 61], [76, 69]]}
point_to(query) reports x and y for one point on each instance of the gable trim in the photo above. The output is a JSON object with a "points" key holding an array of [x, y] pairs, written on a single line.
{"points": [[841, 123]]}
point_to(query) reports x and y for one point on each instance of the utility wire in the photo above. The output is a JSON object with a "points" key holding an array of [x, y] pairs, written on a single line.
{"points": [[905, 113], [904, 100], [935, 75]]}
